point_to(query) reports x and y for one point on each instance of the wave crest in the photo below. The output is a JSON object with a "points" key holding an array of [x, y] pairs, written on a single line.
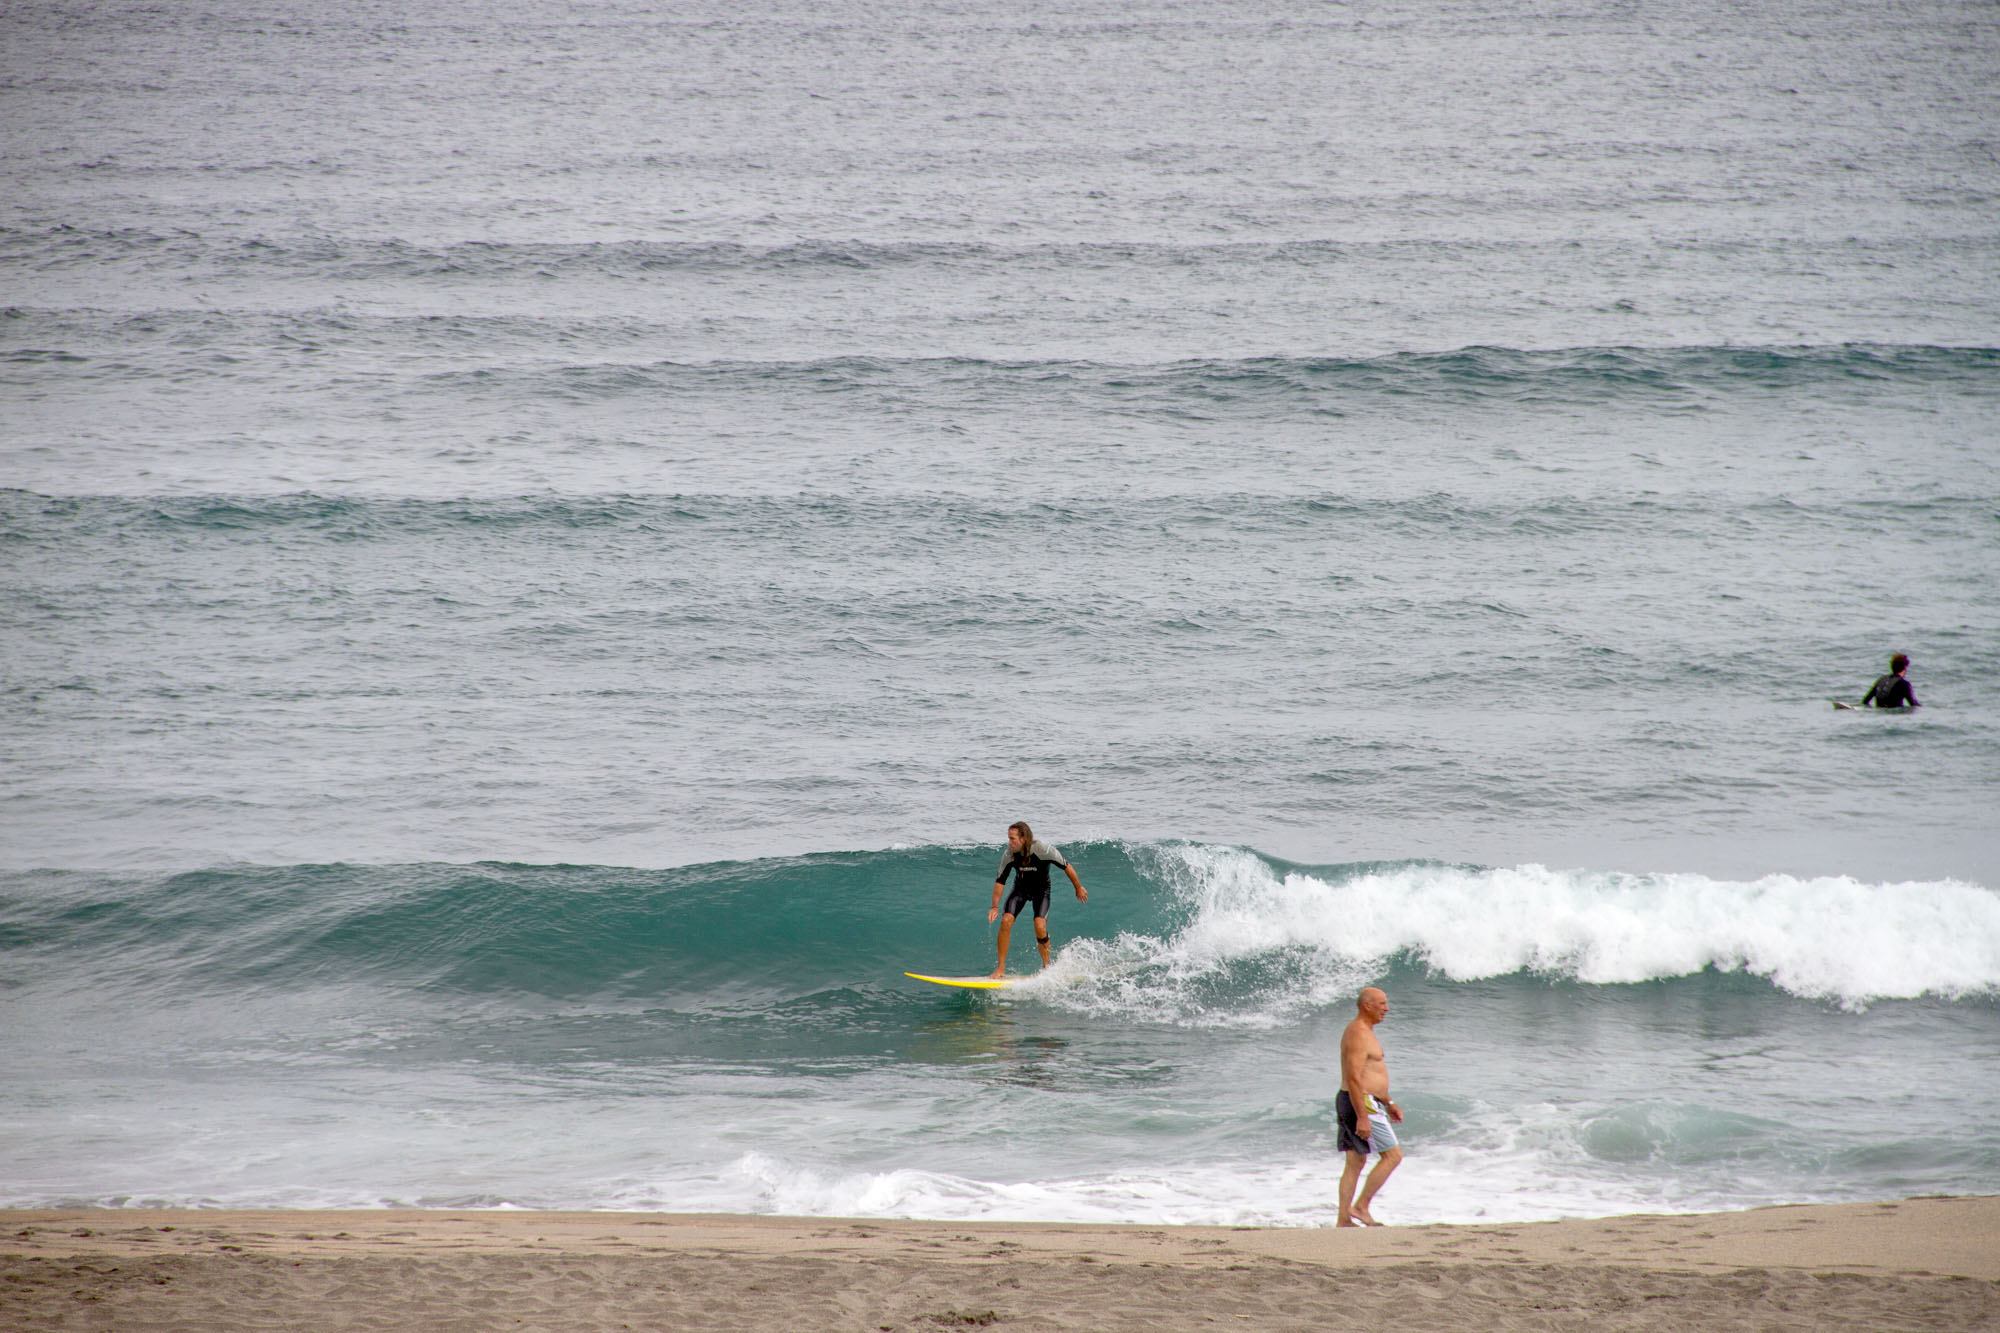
{"points": [[1261, 940]]}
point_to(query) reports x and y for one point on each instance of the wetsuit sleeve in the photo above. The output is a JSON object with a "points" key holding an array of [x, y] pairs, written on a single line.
{"points": [[1006, 866], [1042, 851]]}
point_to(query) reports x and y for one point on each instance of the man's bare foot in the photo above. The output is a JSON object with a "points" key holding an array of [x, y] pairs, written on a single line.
{"points": [[1367, 1218], [997, 974], [1347, 1222]]}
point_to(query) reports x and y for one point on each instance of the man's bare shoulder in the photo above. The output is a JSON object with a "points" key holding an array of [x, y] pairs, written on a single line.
{"points": [[1360, 1034]]}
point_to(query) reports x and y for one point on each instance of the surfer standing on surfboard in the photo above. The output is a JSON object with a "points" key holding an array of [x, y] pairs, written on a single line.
{"points": [[1028, 859]]}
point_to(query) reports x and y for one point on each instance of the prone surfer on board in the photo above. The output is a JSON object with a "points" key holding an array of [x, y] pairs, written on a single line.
{"points": [[1028, 859]]}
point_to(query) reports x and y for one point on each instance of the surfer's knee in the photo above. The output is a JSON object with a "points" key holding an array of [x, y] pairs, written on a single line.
{"points": [[1007, 919]]}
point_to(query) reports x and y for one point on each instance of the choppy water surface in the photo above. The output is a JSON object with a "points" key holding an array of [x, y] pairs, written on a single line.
{"points": [[540, 547]]}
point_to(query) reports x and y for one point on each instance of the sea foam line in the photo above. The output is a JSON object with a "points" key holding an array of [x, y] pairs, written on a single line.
{"points": [[1831, 938], [1461, 1185]]}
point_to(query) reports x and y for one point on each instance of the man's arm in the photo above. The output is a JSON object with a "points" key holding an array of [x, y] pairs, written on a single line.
{"points": [[1352, 1061], [999, 887], [1076, 883]]}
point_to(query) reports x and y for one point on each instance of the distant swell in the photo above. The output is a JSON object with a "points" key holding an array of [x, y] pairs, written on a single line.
{"points": [[1468, 375], [579, 359], [350, 258]]}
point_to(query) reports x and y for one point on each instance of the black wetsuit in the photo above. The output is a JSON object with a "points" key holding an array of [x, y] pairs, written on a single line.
{"points": [[1890, 691], [1031, 880]]}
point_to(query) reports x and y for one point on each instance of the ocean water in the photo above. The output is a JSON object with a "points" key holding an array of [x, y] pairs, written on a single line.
{"points": [[542, 546]]}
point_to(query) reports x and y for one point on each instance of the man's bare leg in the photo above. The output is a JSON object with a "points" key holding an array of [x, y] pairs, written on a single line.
{"points": [[1348, 1175], [1006, 929], [1042, 938], [1384, 1164]]}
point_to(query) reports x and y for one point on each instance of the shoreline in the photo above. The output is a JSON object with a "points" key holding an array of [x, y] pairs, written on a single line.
{"points": [[1928, 1262]]}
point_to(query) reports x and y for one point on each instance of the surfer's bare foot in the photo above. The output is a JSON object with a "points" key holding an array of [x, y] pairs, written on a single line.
{"points": [[997, 974], [1347, 1222], [1367, 1218]]}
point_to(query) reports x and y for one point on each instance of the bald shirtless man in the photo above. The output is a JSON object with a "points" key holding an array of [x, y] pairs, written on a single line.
{"points": [[1364, 1083]]}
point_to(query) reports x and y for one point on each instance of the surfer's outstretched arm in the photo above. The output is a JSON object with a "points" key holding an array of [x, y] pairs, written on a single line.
{"points": [[1081, 896]]}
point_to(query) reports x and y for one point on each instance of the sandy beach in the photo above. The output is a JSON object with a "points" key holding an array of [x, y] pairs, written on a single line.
{"points": [[1924, 1263]]}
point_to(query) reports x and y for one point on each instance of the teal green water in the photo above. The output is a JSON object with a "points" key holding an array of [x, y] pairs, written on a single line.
{"points": [[740, 1036]]}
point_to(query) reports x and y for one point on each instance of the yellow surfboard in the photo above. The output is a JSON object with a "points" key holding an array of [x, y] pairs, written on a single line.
{"points": [[969, 983]]}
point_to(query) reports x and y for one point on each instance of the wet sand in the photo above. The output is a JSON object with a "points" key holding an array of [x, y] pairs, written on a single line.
{"points": [[1927, 1263]]}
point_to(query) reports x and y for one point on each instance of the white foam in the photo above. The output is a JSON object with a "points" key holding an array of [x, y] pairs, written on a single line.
{"points": [[1828, 938], [1500, 1180]]}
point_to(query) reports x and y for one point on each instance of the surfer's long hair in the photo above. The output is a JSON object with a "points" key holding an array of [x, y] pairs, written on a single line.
{"points": [[1020, 826]]}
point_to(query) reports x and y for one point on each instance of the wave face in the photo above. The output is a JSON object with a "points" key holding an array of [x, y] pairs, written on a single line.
{"points": [[550, 1019], [697, 937], [1176, 932]]}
